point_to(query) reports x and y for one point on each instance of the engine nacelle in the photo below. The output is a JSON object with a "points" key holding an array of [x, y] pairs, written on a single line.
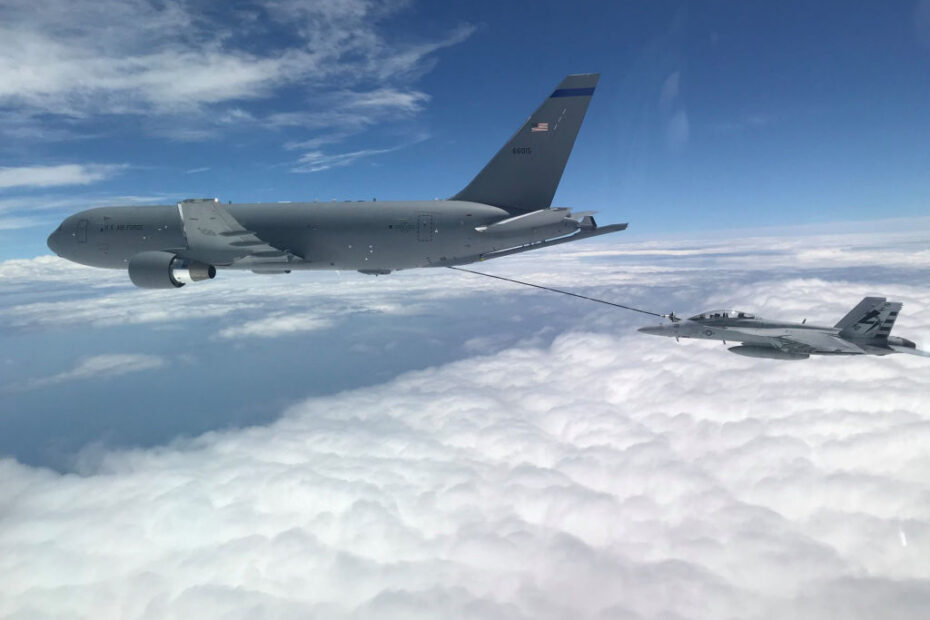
{"points": [[769, 352], [159, 269]]}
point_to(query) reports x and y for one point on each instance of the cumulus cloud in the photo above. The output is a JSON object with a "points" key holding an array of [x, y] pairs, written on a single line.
{"points": [[592, 479], [97, 367], [602, 474], [276, 325]]}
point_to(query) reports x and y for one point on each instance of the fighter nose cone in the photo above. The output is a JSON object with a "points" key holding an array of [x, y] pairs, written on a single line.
{"points": [[655, 330]]}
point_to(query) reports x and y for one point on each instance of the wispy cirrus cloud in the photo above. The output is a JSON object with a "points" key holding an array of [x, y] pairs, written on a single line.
{"points": [[192, 73], [17, 222], [317, 161], [89, 58], [54, 176], [96, 367]]}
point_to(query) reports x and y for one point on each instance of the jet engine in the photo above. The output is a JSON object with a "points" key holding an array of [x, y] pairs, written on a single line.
{"points": [[769, 352], [159, 269]]}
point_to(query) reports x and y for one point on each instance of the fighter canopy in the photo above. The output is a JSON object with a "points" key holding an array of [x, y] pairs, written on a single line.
{"points": [[714, 315]]}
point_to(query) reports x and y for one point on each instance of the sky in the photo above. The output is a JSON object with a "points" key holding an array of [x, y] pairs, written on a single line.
{"points": [[709, 116], [435, 444]]}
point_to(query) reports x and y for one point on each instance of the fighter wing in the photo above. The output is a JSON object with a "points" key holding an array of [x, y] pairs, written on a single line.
{"points": [[810, 341], [216, 238], [805, 341]]}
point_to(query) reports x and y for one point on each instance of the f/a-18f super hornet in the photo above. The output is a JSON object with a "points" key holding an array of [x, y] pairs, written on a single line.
{"points": [[504, 210], [865, 330]]}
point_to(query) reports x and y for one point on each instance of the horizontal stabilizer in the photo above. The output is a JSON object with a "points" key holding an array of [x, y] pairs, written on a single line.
{"points": [[533, 219], [582, 234], [910, 351]]}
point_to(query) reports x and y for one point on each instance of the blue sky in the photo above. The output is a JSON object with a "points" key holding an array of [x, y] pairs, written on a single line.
{"points": [[708, 116], [433, 444]]}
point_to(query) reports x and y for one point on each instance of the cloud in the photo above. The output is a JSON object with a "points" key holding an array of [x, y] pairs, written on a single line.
{"points": [[98, 367], [317, 161], [48, 202], [615, 268], [15, 223], [678, 130], [391, 99], [669, 93], [677, 127], [51, 176], [600, 473], [276, 325], [321, 72], [145, 57], [346, 115], [589, 478]]}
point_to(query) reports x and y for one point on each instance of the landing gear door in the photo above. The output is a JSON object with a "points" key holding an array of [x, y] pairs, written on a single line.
{"points": [[82, 231], [425, 227]]}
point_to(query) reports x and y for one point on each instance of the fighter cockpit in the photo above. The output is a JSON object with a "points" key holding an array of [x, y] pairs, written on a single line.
{"points": [[717, 315]]}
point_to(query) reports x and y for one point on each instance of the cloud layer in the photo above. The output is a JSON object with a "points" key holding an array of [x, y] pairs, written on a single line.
{"points": [[598, 478], [599, 473]]}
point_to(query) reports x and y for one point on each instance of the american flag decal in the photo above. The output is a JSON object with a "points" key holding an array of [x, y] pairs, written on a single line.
{"points": [[539, 127]]}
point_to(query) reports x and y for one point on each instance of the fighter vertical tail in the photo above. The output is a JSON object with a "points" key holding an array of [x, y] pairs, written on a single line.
{"points": [[873, 317], [525, 173]]}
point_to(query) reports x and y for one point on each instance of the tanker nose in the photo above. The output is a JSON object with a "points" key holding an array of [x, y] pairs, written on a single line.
{"points": [[54, 241]]}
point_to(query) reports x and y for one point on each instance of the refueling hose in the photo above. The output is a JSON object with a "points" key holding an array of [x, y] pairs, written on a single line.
{"points": [[670, 316]]}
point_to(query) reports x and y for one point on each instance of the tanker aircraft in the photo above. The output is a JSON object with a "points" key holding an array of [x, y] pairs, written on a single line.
{"points": [[865, 330], [504, 210]]}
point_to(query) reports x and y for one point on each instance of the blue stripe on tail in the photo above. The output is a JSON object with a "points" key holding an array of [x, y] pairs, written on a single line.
{"points": [[573, 92]]}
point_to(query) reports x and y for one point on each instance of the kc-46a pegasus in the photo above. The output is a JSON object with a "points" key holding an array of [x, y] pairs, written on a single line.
{"points": [[504, 210], [865, 330]]}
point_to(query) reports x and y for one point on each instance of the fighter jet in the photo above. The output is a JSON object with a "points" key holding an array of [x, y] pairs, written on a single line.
{"points": [[865, 330], [504, 210]]}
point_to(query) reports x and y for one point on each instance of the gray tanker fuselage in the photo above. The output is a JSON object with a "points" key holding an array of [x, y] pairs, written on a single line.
{"points": [[505, 209], [328, 235]]}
